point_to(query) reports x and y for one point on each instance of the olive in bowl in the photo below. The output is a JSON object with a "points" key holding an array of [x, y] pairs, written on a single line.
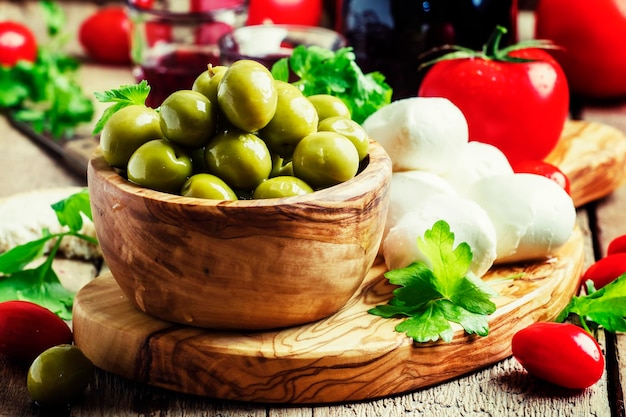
{"points": [[243, 264]]}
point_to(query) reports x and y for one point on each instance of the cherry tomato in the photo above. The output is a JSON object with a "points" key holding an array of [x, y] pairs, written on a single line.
{"points": [[560, 353], [105, 36], [545, 169], [27, 329], [605, 270], [17, 42], [617, 245], [297, 12], [142, 4], [590, 36], [519, 107]]}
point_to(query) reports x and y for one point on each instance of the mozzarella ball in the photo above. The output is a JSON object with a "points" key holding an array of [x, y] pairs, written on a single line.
{"points": [[409, 189], [477, 161], [419, 133], [467, 220], [532, 214]]}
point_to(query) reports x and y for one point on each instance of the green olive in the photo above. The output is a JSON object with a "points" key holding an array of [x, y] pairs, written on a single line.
{"points": [[207, 186], [126, 130], [241, 159], [281, 186], [59, 375], [207, 82], [247, 95], [329, 106], [188, 118], [159, 165], [295, 118], [350, 129], [323, 159]]}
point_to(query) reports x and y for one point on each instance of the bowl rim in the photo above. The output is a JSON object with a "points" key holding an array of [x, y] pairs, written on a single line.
{"points": [[378, 165]]}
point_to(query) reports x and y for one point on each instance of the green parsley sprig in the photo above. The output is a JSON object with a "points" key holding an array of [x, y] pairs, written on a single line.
{"points": [[41, 284], [322, 71], [605, 307], [432, 297], [46, 94], [125, 95]]}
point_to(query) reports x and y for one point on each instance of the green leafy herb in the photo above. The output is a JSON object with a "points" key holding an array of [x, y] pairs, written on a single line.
{"points": [[46, 94], [41, 284], [433, 297], [322, 71], [123, 96], [605, 307]]}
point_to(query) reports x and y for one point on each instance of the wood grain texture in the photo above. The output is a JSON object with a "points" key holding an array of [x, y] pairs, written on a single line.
{"points": [[351, 355], [593, 156], [247, 264]]}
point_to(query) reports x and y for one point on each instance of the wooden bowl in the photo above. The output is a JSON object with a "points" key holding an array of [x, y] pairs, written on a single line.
{"points": [[248, 264]]}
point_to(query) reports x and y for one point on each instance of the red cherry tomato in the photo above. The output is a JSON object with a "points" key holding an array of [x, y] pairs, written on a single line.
{"points": [[27, 329], [545, 169], [142, 4], [617, 245], [297, 12], [17, 42], [605, 270], [519, 107], [105, 36], [591, 36], [560, 353]]}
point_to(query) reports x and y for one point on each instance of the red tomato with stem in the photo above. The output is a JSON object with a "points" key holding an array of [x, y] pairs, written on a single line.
{"points": [[105, 36], [544, 169], [516, 98], [17, 43], [591, 39], [297, 12], [560, 353], [605, 270]]}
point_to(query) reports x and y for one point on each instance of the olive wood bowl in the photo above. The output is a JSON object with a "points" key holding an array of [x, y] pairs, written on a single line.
{"points": [[247, 264]]}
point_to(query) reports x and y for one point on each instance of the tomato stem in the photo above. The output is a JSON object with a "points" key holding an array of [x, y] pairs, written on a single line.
{"points": [[491, 49]]}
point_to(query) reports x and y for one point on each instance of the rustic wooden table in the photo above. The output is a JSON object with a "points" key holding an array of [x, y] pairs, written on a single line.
{"points": [[503, 389]]}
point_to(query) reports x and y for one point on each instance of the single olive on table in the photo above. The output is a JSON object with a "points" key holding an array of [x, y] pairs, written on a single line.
{"points": [[242, 127]]}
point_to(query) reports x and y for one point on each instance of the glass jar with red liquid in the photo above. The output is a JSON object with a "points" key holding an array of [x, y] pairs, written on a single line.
{"points": [[173, 41], [391, 36]]}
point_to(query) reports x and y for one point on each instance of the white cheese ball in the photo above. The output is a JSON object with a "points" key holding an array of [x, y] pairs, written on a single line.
{"points": [[477, 161], [532, 214], [419, 133], [467, 220], [409, 189]]}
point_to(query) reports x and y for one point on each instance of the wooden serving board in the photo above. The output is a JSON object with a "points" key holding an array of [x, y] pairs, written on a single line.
{"points": [[593, 156], [349, 356]]}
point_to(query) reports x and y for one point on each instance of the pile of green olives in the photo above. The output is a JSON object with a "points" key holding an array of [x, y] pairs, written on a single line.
{"points": [[237, 133]]}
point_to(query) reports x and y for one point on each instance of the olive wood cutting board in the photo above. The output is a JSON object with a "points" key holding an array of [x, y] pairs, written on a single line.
{"points": [[351, 355]]}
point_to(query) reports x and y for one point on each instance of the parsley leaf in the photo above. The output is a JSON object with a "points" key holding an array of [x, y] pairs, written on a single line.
{"points": [[41, 284], [605, 307], [123, 96], [46, 93], [430, 297], [322, 71]]}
